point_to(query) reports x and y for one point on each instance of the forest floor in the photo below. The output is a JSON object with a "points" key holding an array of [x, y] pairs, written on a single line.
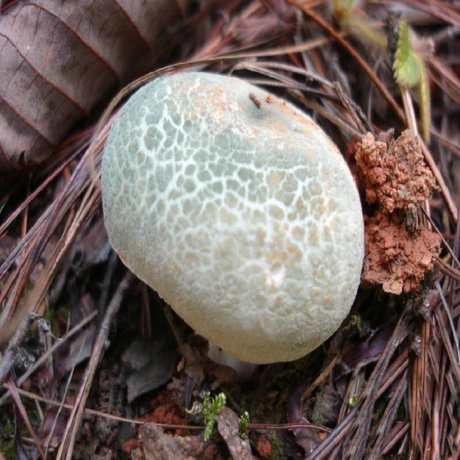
{"points": [[95, 365]]}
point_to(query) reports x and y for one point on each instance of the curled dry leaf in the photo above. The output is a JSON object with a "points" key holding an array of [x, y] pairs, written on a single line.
{"points": [[59, 59], [397, 180]]}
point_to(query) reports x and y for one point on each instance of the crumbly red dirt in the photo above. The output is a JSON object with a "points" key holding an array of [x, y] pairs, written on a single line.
{"points": [[394, 172], [264, 446], [396, 258], [399, 251], [166, 410]]}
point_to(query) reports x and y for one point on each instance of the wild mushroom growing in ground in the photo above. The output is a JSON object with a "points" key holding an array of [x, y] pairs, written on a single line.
{"points": [[238, 210]]}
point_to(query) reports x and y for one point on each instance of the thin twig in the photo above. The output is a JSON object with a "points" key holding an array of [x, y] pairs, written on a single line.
{"points": [[169, 426], [48, 353], [389, 98], [24, 416], [386, 420], [323, 450], [451, 322], [357, 443], [73, 424], [350, 50]]}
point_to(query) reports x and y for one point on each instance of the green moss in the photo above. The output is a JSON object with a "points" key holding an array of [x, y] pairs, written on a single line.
{"points": [[211, 408]]}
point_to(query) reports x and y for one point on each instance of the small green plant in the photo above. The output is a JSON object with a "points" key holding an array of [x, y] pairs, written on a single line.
{"points": [[410, 72], [407, 65], [354, 321], [408, 56], [211, 408], [244, 422], [352, 401]]}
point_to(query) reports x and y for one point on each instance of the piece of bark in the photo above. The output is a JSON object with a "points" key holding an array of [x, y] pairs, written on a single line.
{"points": [[228, 425], [156, 445]]}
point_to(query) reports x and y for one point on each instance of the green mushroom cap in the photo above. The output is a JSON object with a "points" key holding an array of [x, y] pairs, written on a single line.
{"points": [[238, 210]]}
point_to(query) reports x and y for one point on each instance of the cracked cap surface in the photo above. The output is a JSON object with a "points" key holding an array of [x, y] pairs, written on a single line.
{"points": [[238, 210]]}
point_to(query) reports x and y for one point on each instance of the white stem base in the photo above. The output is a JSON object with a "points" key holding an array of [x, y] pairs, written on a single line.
{"points": [[244, 370]]}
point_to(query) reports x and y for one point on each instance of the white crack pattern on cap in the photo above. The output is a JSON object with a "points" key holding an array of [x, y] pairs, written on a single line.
{"points": [[238, 210]]}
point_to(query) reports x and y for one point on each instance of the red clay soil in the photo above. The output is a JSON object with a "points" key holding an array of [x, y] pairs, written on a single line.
{"points": [[396, 179], [396, 258], [264, 446], [394, 172]]}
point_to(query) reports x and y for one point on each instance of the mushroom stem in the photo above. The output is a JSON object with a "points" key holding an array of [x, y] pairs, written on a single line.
{"points": [[244, 370]]}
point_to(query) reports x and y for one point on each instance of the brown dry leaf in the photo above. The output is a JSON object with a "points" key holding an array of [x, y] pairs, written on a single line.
{"points": [[156, 372], [59, 59]]}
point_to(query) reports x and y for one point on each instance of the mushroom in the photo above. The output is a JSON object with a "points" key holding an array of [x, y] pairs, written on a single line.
{"points": [[238, 210]]}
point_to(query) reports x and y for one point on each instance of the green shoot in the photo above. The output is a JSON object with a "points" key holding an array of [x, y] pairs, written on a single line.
{"points": [[408, 66], [352, 401], [211, 408], [244, 422], [410, 72]]}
